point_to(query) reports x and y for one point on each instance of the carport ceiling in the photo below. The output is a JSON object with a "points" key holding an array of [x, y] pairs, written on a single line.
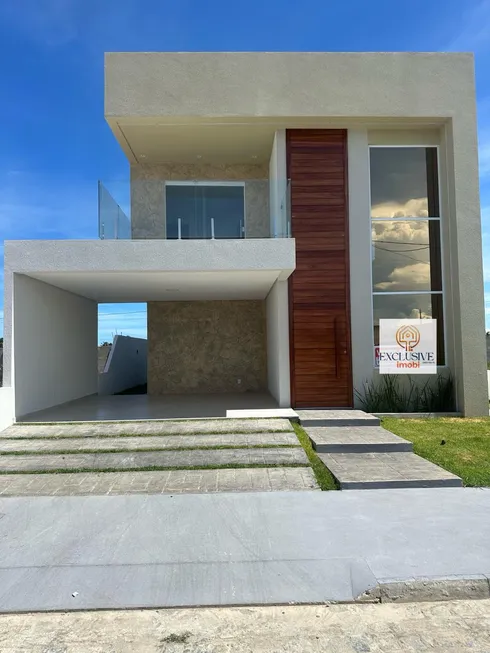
{"points": [[224, 141], [163, 286], [191, 143]]}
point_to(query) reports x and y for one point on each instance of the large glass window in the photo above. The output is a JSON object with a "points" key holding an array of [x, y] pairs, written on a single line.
{"points": [[406, 236], [200, 210]]}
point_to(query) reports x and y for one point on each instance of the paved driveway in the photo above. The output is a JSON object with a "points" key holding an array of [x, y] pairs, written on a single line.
{"points": [[60, 553]]}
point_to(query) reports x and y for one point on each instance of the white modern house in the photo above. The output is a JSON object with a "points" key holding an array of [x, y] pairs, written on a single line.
{"points": [[281, 205]]}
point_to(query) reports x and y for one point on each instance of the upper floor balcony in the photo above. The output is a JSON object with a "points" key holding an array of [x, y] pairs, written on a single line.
{"points": [[204, 209]]}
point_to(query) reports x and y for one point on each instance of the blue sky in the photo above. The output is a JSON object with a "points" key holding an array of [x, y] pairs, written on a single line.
{"points": [[56, 144]]}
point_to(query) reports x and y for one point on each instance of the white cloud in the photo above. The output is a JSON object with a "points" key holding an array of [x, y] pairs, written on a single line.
{"points": [[100, 25], [42, 206], [413, 276], [414, 232], [53, 22], [414, 208], [474, 34]]}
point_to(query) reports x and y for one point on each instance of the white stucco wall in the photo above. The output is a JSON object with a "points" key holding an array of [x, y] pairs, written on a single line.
{"points": [[333, 84], [125, 367], [6, 407], [278, 343], [463, 293], [55, 353], [95, 256]]}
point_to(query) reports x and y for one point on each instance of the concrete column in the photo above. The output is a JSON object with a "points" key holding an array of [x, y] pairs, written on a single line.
{"points": [[362, 336], [278, 344], [466, 269], [147, 207]]}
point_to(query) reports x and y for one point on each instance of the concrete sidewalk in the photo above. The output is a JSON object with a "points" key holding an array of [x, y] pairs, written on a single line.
{"points": [[62, 553]]}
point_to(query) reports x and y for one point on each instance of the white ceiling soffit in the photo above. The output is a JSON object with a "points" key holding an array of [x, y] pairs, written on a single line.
{"points": [[218, 144], [219, 141], [106, 287]]}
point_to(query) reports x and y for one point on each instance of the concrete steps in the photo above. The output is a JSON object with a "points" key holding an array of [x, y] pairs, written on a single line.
{"points": [[217, 455], [336, 418], [361, 455], [145, 428], [356, 439], [196, 481], [144, 443], [376, 471], [145, 460]]}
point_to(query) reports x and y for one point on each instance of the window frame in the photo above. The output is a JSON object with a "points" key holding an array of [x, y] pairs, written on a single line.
{"points": [[441, 292], [205, 182]]}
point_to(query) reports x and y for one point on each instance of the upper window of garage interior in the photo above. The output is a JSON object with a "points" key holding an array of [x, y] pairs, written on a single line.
{"points": [[404, 182]]}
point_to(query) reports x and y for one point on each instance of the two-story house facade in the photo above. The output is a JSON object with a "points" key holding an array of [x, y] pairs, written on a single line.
{"points": [[281, 204]]}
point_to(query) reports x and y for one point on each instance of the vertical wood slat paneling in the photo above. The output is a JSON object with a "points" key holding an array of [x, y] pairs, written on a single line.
{"points": [[321, 374]]}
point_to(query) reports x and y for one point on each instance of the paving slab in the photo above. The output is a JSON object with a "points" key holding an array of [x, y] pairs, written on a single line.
{"points": [[146, 443], [274, 479], [337, 417], [234, 548], [356, 439], [261, 582], [111, 429], [364, 471], [159, 459]]}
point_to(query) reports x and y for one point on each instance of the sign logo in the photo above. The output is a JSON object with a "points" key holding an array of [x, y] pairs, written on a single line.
{"points": [[408, 337], [407, 347]]}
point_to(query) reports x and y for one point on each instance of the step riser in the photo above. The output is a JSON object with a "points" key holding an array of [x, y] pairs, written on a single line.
{"points": [[400, 485], [362, 448], [388, 470], [197, 458], [340, 422]]}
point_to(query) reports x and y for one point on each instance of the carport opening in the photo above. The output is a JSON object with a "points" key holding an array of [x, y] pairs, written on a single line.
{"points": [[122, 358]]}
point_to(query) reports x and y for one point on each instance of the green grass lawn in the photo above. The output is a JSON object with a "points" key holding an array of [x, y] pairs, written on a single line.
{"points": [[466, 451], [323, 475]]}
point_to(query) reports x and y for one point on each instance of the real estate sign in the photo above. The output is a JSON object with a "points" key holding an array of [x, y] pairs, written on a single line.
{"points": [[408, 346]]}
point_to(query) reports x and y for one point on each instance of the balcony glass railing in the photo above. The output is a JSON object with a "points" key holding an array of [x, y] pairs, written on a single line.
{"points": [[114, 223], [203, 209]]}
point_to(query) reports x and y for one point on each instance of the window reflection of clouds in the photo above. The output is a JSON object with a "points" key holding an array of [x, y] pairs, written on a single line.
{"points": [[407, 278], [401, 259], [398, 177], [414, 208], [402, 306]]}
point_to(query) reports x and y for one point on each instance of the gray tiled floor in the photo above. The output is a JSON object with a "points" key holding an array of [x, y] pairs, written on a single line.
{"points": [[161, 482], [148, 407], [107, 429], [151, 443], [379, 470], [135, 460]]}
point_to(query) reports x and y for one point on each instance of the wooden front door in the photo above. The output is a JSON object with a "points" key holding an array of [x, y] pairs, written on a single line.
{"points": [[319, 296]]}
